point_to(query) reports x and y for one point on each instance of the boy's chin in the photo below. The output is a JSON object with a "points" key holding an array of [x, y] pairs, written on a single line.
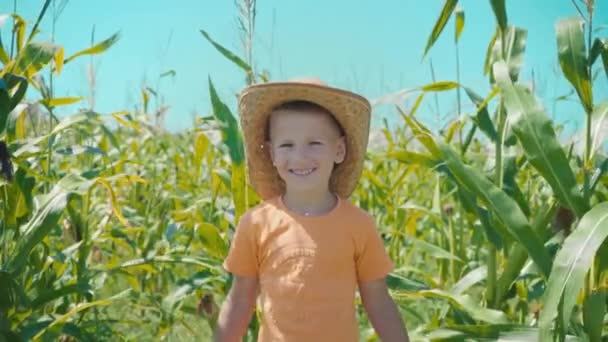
{"points": [[306, 188]]}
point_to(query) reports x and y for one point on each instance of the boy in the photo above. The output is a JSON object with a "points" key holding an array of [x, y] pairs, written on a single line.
{"points": [[306, 249]]}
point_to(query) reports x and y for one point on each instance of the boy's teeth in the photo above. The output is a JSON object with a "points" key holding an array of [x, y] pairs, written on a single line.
{"points": [[302, 172]]}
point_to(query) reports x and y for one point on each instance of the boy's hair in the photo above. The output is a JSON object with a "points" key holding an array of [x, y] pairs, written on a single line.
{"points": [[304, 106]]}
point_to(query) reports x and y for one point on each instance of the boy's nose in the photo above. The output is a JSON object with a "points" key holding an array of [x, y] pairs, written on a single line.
{"points": [[300, 155]]}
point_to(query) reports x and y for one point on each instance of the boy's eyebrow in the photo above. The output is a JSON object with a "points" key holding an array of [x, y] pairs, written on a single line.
{"points": [[281, 140]]}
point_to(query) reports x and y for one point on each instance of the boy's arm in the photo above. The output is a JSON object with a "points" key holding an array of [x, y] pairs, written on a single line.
{"points": [[382, 311], [237, 310]]}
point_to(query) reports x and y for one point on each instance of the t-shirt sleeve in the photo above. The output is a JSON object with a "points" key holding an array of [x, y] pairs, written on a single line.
{"points": [[372, 261], [242, 258]]}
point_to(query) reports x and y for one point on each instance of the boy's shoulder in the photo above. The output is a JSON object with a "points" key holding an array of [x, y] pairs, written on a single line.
{"points": [[355, 213], [262, 210]]}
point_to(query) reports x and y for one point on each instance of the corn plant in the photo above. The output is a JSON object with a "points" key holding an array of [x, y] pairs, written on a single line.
{"points": [[533, 184]]}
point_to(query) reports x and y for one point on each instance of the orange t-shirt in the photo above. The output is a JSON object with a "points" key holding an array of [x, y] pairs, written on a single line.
{"points": [[308, 268]]}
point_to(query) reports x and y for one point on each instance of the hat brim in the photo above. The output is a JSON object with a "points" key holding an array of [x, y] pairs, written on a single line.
{"points": [[350, 110]]}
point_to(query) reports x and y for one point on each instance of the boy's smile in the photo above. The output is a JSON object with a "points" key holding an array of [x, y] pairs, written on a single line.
{"points": [[305, 146], [301, 172]]}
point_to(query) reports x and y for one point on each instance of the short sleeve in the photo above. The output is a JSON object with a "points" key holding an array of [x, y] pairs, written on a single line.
{"points": [[372, 261], [242, 256]]}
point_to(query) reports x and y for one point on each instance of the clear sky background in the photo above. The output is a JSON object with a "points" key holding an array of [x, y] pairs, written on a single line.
{"points": [[372, 47]]}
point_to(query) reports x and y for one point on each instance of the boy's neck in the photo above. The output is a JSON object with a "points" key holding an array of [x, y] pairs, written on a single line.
{"points": [[310, 204]]}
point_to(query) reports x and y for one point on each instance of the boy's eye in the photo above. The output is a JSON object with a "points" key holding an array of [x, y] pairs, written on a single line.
{"points": [[284, 145], [316, 143]]}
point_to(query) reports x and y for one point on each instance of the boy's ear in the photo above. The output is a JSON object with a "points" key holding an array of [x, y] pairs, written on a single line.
{"points": [[341, 152]]}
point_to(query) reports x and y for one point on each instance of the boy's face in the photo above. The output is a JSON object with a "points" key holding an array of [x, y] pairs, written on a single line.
{"points": [[304, 147]]}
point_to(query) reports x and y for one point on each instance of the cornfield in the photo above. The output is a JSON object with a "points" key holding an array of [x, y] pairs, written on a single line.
{"points": [[111, 228]]}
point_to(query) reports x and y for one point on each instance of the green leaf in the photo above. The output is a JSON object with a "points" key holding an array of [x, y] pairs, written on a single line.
{"points": [[68, 122], [510, 185], [572, 58], [34, 57], [229, 127], [599, 46], [61, 320], [19, 94], [467, 304], [470, 279], [502, 207], [108, 134], [96, 49], [227, 53], [4, 104], [186, 260], [201, 146], [34, 31], [515, 47], [413, 158], [421, 133], [77, 150], [59, 60], [502, 332], [48, 295], [518, 254], [12, 294], [3, 55], [459, 15], [61, 101], [171, 73], [446, 12], [500, 12], [482, 118], [491, 231], [435, 251], [238, 187], [594, 309], [571, 264], [599, 127], [535, 132], [605, 58], [231, 137], [185, 288], [45, 219], [211, 239], [439, 86], [487, 65], [29, 331], [401, 283], [19, 27]]}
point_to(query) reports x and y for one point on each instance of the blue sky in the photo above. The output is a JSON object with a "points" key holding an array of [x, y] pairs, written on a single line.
{"points": [[373, 48]]}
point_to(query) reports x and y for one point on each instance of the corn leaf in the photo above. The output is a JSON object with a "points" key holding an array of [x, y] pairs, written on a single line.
{"points": [[459, 15], [33, 57], [572, 58], [503, 207], [514, 49], [467, 304], [211, 239], [231, 137], [227, 53], [535, 132], [96, 49], [500, 12], [446, 12], [599, 127], [594, 310], [61, 101], [572, 262]]}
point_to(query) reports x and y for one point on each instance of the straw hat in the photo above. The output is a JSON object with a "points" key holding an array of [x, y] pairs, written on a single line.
{"points": [[352, 111]]}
